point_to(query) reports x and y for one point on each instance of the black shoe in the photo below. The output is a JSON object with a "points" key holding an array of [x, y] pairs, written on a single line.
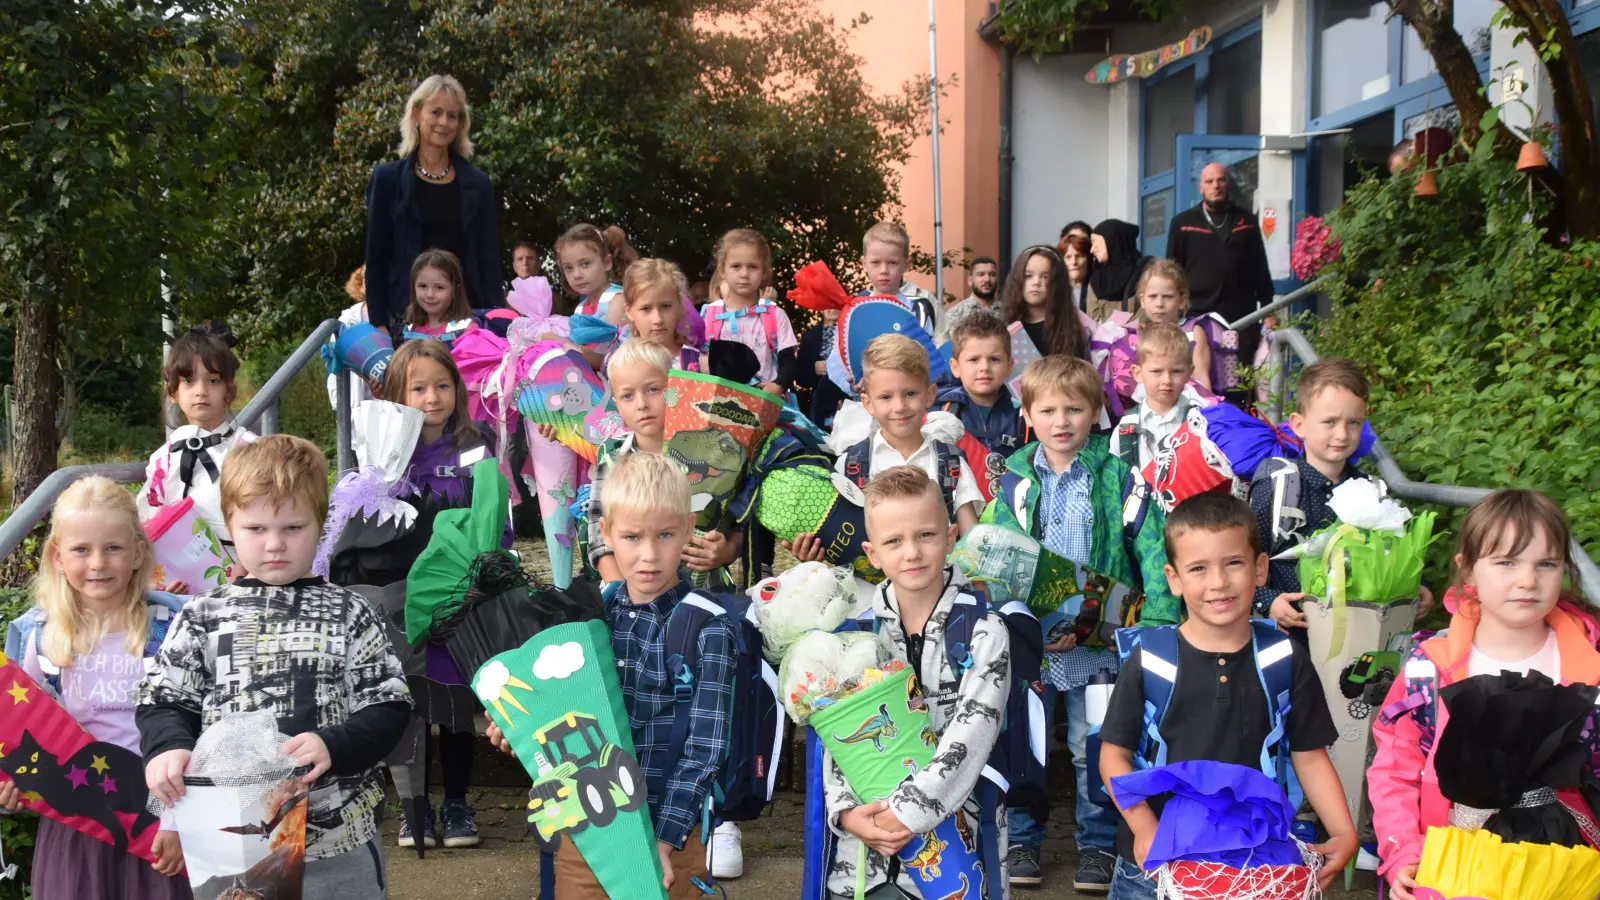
{"points": [[1024, 866], [1094, 872]]}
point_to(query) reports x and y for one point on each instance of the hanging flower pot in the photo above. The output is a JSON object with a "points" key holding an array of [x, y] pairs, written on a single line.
{"points": [[1532, 157], [1427, 185]]}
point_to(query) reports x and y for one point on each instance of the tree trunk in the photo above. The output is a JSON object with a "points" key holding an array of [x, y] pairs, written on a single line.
{"points": [[33, 379], [1546, 23], [1433, 20]]}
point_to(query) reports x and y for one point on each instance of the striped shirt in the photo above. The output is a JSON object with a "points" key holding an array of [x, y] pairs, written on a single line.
{"points": [[639, 640]]}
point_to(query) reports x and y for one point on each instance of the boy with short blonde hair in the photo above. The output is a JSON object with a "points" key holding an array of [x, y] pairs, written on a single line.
{"points": [[343, 716], [983, 403], [1070, 492], [896, 392], [1164, 364], [647, 521], [885, 252], [908, 538], [637, 372]]}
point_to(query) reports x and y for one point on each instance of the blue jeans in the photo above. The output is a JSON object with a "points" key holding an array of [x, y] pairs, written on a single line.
{"points": [[1128, 883], [1097, 825]]}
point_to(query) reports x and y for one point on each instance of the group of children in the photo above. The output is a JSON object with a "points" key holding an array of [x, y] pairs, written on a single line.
{"points": [[1055, 472]]}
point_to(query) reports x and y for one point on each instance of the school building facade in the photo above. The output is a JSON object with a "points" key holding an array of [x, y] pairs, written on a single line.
{"points": [[1297, 97]]}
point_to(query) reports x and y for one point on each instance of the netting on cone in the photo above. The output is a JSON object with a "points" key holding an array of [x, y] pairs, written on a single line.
{"points": [[1186, 879], [241, 750]]}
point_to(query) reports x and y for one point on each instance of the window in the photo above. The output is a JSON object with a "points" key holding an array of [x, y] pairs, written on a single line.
{"points": [[1352, 53], [1342, 160], [1168, 112], [1446, 117], [1233, 95], [1471, 20]]}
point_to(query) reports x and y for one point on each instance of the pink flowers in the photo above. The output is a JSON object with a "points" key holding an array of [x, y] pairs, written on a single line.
{"points": [[1314, 247]]}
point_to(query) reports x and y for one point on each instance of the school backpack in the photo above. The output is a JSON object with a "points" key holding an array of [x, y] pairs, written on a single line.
{"points": [[1282, 477], [23, 632], [1158, 659], [765, 310], [858, 468], [1016, 766], [744, 782]]}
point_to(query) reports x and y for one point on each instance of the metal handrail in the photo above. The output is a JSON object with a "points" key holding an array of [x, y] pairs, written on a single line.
{"points": [[1294, 296], [1287, 340], [263, 406]]}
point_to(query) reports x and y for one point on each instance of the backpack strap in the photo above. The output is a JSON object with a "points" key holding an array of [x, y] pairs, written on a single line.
{"points": [[1287, 517], [769, 322], [1127, 439], [858, 463], [1421, 700], [965, 612], [1014, 490], [1158, 658], [684, 624], [947, 459], [1135, 509], [1274, 656]]}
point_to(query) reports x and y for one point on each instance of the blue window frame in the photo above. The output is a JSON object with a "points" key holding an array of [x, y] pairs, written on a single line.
{"points": [[1416, 94], [1158, 189]]}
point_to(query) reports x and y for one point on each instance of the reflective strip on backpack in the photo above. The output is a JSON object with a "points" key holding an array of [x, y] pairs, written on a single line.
{"points": [[710, 606], [1421, 668], [1159, 667], [468, 457], [1276, 653], [996, 779]]}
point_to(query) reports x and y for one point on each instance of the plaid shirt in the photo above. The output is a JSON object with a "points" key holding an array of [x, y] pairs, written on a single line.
{"points": [[639, 640], [1066, 526]]}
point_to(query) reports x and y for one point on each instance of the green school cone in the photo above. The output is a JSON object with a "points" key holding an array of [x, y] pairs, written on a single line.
{"points": [[559, 703], [879, 736]]}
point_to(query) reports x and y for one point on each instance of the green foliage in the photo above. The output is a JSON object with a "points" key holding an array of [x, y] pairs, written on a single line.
{"points": [[103, 434], [114, 165], [1480, 337], [303, 408], [1047, 26], [612, 112]]}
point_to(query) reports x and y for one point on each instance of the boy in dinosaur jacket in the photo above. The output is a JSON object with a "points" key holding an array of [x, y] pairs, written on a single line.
{"points": [[1067, 490], [909, 534]]}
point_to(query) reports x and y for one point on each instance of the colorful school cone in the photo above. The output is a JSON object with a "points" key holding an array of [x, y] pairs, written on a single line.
{"points": [[559, 703], [555, 477]]}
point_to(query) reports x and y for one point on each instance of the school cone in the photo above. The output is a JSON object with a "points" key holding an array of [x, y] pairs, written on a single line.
{"points": [[555, 478]]}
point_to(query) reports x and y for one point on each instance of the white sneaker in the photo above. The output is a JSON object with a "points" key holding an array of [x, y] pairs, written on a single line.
{"points": [[725, 856]]}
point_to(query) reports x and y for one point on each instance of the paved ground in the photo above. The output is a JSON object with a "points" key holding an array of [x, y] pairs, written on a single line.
{"points": [[506, 866]]}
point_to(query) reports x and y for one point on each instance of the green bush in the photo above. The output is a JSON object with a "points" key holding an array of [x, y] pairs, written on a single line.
{"points": [[1480, 335], [303, 408], [101, 433]]}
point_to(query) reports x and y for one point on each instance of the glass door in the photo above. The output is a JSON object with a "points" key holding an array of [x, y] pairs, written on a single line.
{"points": [[1240, 153]]}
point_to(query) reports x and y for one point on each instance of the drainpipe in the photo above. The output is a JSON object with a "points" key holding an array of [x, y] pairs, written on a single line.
{"points": [[1008, 54]]}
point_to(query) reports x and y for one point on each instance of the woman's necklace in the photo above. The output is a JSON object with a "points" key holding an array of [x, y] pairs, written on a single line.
{"points": [[423, 171]]}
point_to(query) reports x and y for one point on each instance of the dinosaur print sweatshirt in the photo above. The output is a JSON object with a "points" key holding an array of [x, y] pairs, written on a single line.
{"points": [[965, 713]]}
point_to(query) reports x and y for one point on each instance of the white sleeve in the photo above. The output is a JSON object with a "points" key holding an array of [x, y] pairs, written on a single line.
{"points": [[967, 489]]}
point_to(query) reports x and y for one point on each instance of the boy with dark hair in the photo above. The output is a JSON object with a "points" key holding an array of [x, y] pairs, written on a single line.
{"points": [[1207, 681], [345, 710], [992, 418], [1067, 490], [1290, 496]]}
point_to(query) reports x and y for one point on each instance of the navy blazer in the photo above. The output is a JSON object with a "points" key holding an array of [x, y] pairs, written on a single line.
{"points": [[394, 237]]}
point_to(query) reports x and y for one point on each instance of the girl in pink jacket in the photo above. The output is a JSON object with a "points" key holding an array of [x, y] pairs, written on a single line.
{"points": [[1509, 613]]}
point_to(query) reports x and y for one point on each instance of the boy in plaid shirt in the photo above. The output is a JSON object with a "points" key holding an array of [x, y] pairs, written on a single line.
{"points": [[647, 522]]}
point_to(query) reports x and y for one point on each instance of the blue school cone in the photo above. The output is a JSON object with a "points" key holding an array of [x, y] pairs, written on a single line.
{"points": [[818, 837]]}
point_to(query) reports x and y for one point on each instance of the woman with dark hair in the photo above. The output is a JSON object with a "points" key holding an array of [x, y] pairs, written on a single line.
{"points": [[1038, 294], [431, 198], [1115, 246]]}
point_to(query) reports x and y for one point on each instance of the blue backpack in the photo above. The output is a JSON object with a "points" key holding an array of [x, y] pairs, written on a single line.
{"points": [[1158, 649], [1016, 767], [745, 782]]}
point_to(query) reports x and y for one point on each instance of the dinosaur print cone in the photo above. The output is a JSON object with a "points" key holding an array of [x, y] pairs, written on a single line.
{"points": [[712, 427], [877, 734]]}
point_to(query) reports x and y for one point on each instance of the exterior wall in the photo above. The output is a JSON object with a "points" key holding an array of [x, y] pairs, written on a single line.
{"points": [[1059, 141], [894, 47]]}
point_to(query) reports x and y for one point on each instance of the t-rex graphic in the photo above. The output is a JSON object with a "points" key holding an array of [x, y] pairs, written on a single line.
{"points": [[875, 729], [951, 759], [973, 709], [915, 796], [961, 893], [997, 667]]}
